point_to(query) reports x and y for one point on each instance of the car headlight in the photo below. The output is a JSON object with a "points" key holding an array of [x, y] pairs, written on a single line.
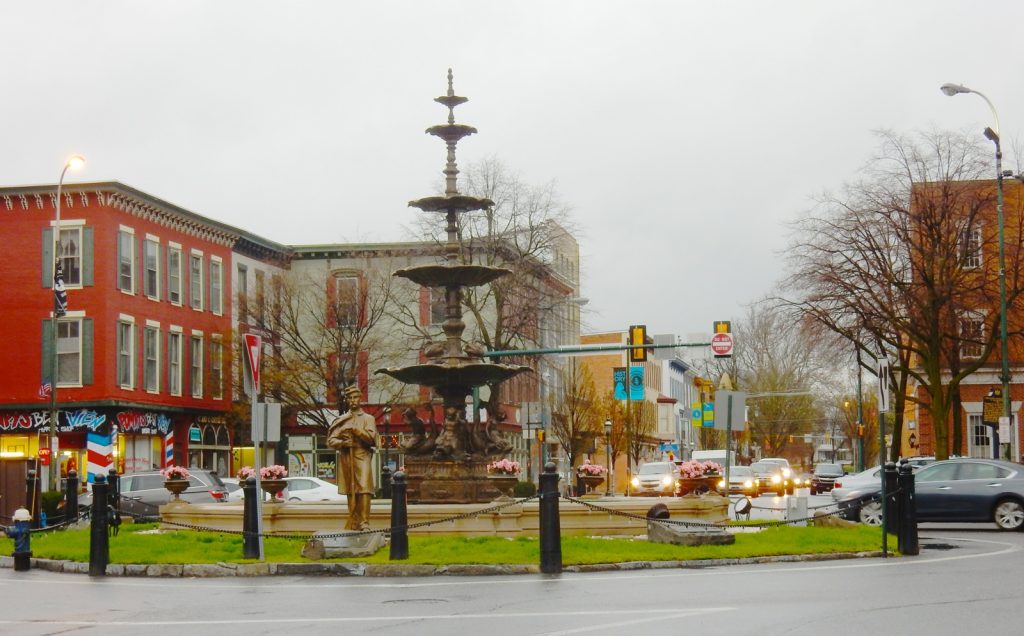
{"points": [[666, 480], [748, 484], [776, 479], [786, 472], [635, 481], [721, 483]]}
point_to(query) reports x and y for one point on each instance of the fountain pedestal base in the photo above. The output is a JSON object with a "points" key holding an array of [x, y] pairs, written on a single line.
{"points": [[449, 481]]}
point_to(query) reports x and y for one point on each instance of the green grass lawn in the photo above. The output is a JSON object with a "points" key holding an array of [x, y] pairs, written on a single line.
{"points": [[137, 543]]}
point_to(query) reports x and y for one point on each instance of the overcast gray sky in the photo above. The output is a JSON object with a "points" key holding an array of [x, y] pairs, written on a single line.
{"points": [[696, 130]]}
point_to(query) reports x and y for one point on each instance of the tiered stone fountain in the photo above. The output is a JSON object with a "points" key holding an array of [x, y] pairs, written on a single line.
{"points": [[450, 465]]}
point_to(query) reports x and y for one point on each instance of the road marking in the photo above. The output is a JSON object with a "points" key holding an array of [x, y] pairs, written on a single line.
{"points": [[663, 614]]}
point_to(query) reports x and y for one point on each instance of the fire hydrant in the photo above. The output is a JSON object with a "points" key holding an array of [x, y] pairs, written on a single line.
{"points": [[21, 532]]}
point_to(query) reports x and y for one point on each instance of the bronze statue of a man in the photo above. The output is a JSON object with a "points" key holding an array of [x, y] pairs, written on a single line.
{"points": [[354, 436]]}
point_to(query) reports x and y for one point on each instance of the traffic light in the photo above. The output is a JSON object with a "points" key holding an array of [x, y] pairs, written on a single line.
{"points": [[638, 336], [540, 435], [860, 430]]}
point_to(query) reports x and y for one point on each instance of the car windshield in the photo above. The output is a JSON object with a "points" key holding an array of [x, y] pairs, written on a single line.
{"points": [[740, 471], [830, 469], [762, 467], [655, 469]]}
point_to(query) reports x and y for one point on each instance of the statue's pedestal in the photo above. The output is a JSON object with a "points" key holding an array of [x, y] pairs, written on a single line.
{"points": [[448, 481]]}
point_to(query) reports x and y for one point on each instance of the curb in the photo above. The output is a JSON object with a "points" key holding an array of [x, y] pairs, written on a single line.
{"points": [[215, 570]]}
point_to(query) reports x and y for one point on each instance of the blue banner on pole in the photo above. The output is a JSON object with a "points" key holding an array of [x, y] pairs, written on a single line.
{"points": [[619, 382], [709, 415], [636, 383]]}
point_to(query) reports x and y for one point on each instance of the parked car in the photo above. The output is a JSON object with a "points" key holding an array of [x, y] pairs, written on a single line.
{"points": [[143, 493], [770, 478], [233, 488], [656, 478], [954, 490], [824, 477], [312, 489], [741, 480], [849, 484]]}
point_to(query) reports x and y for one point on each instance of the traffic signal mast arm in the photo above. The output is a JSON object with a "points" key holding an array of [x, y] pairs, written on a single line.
{"points": [[589, 349]]}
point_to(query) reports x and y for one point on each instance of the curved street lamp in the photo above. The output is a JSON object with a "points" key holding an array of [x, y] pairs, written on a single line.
{"points": [[993, 136], [74, 162]]}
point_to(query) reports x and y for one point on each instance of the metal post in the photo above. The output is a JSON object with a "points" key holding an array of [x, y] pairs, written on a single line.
{"points": [[250, 527], [71, 496], [1003, 338], [860, 417], [99, 541], [385, 470], [908, 544], [881, 458], [550, 528], [399, 519], [728, 441], [257, 438], [114, 490], [32, 497]]}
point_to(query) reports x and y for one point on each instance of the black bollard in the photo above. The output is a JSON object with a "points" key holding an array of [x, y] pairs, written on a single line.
{"points": [[385, 482], [907, 538], [550, 528], [71, 496], [890, 476], [99, 541], [399, 518], [114, 489], [250, 539], [32, 497]]}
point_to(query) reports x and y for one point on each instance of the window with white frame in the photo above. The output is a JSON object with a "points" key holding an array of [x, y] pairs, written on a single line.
{"points": [[151, 356], [216, 284], [174, 274], [216, 368], [972, 335], [69, 250], [970, 248], [981, 437], [126, 261], [196, 369], [126, 354], [151, 277], [174, 363], [195, 280], [69, 353]]}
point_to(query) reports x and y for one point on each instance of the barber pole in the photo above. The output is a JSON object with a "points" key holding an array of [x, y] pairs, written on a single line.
{"points": [[169, 449], [100, 451]]}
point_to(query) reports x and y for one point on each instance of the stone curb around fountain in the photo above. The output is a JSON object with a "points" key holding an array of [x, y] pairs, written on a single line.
{"points": [[249, 570]]}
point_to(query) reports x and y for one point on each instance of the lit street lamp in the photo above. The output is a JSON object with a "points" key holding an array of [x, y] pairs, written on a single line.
{"points": [[993, 136], [608, 455], [74, 162]]}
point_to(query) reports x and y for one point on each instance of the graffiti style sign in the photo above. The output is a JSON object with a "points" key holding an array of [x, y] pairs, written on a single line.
{"points": [[80, 419], [143, 423]]}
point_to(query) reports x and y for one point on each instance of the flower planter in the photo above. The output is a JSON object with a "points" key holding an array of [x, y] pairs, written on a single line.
{"points": [[176, 486], [504, 484], [694, 486], [591, 481], [273, 487]]}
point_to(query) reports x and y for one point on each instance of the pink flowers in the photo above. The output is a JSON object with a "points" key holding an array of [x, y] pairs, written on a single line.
{"points": [[586, 469], [693, 469], [175, 472], [275, 471], [245, 472], [503, 467]]}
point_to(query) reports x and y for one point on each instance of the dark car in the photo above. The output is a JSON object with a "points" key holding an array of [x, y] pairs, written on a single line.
{"points": [[143, 493], [953, 491], [824, 477]]}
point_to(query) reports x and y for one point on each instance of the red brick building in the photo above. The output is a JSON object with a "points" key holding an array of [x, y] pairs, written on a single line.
{"points": [[144, 351]]}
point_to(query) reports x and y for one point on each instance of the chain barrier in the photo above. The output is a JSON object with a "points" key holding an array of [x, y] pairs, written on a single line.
{"points": [[351, 533]]}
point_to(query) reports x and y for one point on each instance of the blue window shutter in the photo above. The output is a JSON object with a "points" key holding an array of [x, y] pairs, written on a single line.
{"points": [[47, 355], [87, 351], [87, 258], [47, 267]]}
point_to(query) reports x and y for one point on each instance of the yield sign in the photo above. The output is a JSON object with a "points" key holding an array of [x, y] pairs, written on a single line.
{"points": [[253, 345]]}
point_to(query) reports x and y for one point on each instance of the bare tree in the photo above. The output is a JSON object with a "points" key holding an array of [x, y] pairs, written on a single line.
{"points": [[324, 327], [900, 264], [576, 412]]}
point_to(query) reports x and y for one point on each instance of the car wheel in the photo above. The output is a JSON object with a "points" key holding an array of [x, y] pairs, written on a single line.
{"points": [[294, 499], [870, 513], [1009, 515]]}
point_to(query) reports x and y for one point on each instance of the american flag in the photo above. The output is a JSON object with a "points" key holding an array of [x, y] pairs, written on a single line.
{"points": [[60, 295], [44, 390]]}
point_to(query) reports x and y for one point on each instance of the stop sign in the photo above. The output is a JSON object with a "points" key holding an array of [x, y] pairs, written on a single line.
{"points": [[721, 344]]}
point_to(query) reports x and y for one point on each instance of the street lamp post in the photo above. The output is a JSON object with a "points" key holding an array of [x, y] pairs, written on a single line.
{"points": [[608, 455], [73, 162], [993, 136]]}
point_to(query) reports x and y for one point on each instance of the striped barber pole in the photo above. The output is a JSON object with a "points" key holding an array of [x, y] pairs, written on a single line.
{"points": [[101, 454], [169, 449]]}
